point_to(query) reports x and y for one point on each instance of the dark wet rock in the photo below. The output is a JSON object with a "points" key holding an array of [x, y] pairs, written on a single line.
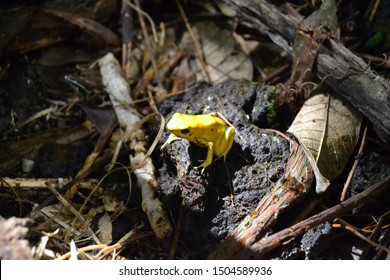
{"points": [[216, 201]]}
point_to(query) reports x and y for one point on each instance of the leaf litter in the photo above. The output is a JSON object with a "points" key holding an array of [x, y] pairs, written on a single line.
{"points": [[98, 189]]}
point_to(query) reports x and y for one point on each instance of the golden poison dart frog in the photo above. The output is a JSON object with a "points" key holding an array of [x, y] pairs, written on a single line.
{"points": [[207, 131]]}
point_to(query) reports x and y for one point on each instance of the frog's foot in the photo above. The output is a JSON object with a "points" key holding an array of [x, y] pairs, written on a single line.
{"points": [[209, 158], [204, 165]]}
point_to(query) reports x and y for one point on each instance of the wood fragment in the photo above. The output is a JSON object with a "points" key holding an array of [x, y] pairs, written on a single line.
{"points": [[31, 183], [361, 236], [369, 251], [128, 119], [261, 248], [288, 191], [92, 27], [333, 61], [93, 156], [355, 165], [127, 38]]}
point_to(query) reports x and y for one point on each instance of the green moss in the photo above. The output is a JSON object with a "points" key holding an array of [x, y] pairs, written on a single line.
{"points": [[270, 93], [375, 40]]}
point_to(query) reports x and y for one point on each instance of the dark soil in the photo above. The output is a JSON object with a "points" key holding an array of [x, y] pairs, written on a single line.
{"points": [[204, 207]]}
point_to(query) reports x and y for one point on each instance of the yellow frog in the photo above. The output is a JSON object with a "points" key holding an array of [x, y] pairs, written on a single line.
{"points": [[207, 131]]}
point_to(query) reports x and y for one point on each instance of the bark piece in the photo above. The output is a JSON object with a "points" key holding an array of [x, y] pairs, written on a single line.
{"points": [[128, 119], [347, 74]]}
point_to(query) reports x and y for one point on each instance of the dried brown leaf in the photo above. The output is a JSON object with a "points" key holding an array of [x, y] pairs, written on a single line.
{"points": [[105, 229], [328, 128], [222, 54]]}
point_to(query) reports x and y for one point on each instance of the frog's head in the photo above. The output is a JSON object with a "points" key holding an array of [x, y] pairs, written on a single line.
{"points": [[181, 125]]}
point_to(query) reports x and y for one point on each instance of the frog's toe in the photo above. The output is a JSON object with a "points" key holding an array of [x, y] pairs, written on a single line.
{"points": [[198, 167], [203, 166]]}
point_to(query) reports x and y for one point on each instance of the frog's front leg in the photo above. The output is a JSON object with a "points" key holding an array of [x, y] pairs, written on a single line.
{"points": [[172, 137], [209, 157]]}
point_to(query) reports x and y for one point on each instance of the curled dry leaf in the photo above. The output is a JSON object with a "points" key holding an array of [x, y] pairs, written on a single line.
{"points": [[223, 56], [105, 229], [328, 129]]}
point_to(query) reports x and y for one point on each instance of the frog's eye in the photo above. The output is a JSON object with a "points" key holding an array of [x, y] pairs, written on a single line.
{"points": [[185, 131]]}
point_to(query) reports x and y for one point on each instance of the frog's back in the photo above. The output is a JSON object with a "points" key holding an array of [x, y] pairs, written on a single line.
{"points": [[209, 120], [182, 121]]}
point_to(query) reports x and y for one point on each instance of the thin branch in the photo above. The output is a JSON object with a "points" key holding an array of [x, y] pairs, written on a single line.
{"points": [[267, 244], [148, 44], [74, 211], [355, 165], [333, 58], [361, 236]]}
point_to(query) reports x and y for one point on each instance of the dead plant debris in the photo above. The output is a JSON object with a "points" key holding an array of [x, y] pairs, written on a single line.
{"points": [[86, 88]]}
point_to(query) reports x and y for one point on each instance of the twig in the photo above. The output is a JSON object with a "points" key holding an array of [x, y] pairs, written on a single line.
{"points": [[374, 10], [274, 76], [375, 234], [138, 10], [385, 240], [38, 115], [102, 247], [355, 165], [288, 191], [60, 222], [92, 27], [267, 244], [127, 37], [332, 58], [177, 232], [128, 119], [361, 236], [148, 44], [74, 211], [164, 64], [92, 157]]}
